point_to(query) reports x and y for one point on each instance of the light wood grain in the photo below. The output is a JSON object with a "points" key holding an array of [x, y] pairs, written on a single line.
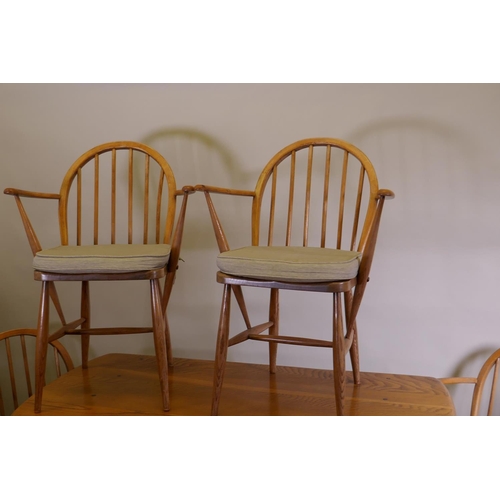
{"points": [[84, 186], [286, 164], [19, 366], [127, 384], [480, 383]]}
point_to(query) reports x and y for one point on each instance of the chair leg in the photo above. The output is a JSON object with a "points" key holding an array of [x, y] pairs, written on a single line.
{"points": [[85, 313], [274, 311], [338, 354], [221, 349], [167, 290], [354, 350], [159, 340], [41, 345], [170, 356], [354, 355]]}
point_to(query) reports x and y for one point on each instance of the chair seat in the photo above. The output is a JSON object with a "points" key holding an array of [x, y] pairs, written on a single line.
{"points": [[119, 258], [296, 264]]}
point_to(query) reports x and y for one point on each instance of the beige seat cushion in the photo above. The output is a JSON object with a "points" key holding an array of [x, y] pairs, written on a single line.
{"points": [[290, 263], [120, 258]]}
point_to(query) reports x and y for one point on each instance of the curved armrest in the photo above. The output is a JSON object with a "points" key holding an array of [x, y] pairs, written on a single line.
{"points": [[385, 193], [215, 189], [31, 194], [458, 380], [185, 190]]}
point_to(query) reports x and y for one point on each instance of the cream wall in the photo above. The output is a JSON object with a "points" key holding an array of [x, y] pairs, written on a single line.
{"points": [[431, 306]]}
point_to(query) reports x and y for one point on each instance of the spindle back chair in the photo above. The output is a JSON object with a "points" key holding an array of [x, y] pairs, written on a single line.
{"points": [[316, 210], [17, 349], [480, 383], [117, 212]]}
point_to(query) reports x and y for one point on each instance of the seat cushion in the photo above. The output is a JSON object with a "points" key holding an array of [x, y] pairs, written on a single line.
{"points": [[120, 258], [297, 264]]}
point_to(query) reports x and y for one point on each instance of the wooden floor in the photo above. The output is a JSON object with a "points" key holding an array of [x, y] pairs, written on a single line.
{"points": [[127, 384]]}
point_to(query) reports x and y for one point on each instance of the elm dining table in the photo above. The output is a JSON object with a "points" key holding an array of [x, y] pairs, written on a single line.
{"points": [[127, 384]]}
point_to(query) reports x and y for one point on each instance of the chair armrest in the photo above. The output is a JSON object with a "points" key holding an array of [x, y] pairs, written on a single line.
{"points": [[31, 194], [185, 190], [385, 193], [219, 190], [458, 380]]}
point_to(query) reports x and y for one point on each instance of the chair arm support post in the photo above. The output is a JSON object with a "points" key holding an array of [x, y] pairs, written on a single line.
{"points": [[32, 237], [179, 230], [219, 232], [224, 245], [367, 258], [28, 227], [176, 247]]}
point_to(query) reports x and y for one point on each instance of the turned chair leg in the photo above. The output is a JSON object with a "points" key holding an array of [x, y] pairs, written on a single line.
{"points": [[160, 341], [338, 354], [274, 311], [354, 355], [41, 345], [354, 350], [221, 349], [168, 343], [167, 290]]}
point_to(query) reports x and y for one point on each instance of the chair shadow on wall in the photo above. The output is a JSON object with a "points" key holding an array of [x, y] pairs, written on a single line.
{"points": [[441, 184], [197, 158], [194, 157]]}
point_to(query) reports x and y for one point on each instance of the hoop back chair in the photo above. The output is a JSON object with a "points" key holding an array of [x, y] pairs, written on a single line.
{"points": [[19, 353], [131, 236], [480, 382], [315, 216]]}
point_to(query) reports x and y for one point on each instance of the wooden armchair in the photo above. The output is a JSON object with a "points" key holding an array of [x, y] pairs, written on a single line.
{"points": [[129, 237], [318, 206], [480, 383], [16, 355]]}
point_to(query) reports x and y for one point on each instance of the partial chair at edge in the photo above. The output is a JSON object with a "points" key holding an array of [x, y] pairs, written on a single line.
{"points": [[479, 382], [19, 366], [114, 244], [315, 176]]}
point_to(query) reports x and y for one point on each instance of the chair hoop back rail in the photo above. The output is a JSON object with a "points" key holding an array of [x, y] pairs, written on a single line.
{"points": [[15, 375], [303, 192], [104, 242], [479, 382]]}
